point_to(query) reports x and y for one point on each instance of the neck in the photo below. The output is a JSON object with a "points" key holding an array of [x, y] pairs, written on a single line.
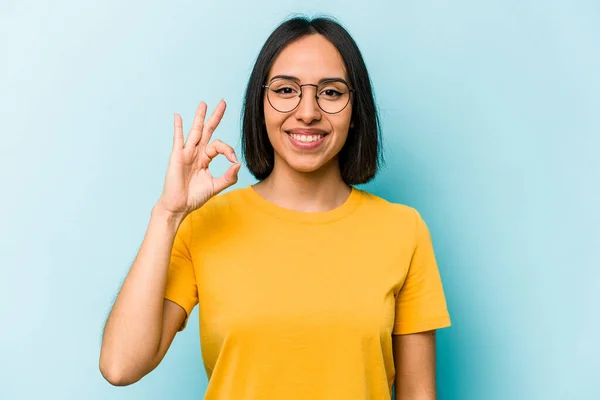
{"points": [[317, 191]]}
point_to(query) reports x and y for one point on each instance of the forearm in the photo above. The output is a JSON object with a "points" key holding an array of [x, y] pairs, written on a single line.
{"points": [[414, 358], [134, 327], [407, 392]]}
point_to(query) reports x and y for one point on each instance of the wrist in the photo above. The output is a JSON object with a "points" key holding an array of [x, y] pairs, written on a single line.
{"points": [[170, 218]]}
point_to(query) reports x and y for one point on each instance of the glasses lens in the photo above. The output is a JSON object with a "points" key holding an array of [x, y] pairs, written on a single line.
{"points": [[333, 96], [284, 95]]}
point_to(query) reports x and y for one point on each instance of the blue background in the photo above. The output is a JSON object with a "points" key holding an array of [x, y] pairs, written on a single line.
{"points": [[491, 117]]}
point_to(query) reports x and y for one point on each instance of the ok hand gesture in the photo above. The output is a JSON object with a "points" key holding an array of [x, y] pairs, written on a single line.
{"points": [[189, 184]]}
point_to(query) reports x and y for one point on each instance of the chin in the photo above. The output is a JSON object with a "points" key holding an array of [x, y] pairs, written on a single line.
{"points": [[306, 165]]}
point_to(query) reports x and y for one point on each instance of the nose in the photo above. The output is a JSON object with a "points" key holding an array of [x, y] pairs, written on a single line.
{"points": [[308, 110]]}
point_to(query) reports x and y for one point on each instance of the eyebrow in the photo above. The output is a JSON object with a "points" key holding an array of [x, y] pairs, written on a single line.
{"points": [[293, 78]]}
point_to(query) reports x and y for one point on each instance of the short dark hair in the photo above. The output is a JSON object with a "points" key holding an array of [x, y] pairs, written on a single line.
{"points": [[361, 155]]}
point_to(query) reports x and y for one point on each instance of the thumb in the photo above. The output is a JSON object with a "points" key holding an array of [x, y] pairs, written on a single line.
{"points": [[230, 177]]}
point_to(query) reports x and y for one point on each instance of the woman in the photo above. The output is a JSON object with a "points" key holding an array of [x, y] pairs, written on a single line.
{"points": [[308, 288]]}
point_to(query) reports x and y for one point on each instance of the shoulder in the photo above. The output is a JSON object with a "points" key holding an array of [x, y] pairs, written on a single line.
{"points": [[225, 205], [391, 218], [225, 200], [378, 205], [394, 224]]}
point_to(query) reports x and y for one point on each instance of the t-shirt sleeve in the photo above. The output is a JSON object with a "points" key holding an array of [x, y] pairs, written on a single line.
{"points": [[181, 278], [421, 303]]}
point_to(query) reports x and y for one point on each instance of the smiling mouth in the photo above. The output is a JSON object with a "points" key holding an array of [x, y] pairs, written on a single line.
{"points": [[307, 138]]}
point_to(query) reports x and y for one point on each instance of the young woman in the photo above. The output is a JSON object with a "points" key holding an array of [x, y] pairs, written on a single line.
{"points": [[308, 287]]}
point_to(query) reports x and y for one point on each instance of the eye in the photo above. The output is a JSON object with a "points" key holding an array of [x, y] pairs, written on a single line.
{"points": [[331, 93], [285, 90]]}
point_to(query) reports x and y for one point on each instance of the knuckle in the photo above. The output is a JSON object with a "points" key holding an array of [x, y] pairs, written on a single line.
{"points": [[205, 157]]}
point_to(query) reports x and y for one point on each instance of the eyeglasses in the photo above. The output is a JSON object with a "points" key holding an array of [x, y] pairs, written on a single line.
{"points": [[332, 96]]}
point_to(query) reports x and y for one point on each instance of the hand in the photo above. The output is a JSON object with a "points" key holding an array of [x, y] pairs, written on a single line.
{"points": [[189, 184]]}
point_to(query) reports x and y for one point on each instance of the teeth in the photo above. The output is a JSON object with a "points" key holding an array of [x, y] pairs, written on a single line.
{"points": [[306, 138]]}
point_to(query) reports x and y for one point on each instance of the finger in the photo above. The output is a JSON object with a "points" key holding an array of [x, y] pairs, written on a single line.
{"points": [[213, 122], [217, 147], [196, 131], [178, 134], [229, 178], [197, 125]]}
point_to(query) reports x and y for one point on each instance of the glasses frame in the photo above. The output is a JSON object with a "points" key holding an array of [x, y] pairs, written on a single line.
{"points": [[350, 94]]}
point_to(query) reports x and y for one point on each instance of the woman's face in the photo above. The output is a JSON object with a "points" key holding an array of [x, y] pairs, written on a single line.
{"points": [[307, 139]]}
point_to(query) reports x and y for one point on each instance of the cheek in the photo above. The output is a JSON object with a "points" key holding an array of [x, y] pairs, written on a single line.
{"points": [[273, 119], [343, 122]]}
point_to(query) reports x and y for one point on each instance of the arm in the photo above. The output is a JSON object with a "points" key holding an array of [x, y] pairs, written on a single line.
{"points": [[142, 324], [414, 359]]}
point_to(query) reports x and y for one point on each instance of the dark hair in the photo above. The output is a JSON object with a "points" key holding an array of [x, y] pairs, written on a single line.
{"points": [[361, 155]]}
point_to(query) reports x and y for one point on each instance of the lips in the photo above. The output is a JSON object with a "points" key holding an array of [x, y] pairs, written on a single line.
{"points": [[307, 135], [307, 138]]}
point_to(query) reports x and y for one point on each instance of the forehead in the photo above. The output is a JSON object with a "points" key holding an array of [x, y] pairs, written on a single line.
{"points": [[310, 59]]}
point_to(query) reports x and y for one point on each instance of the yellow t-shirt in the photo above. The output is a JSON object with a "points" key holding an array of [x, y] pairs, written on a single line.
{"points": [[297, 305]]}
